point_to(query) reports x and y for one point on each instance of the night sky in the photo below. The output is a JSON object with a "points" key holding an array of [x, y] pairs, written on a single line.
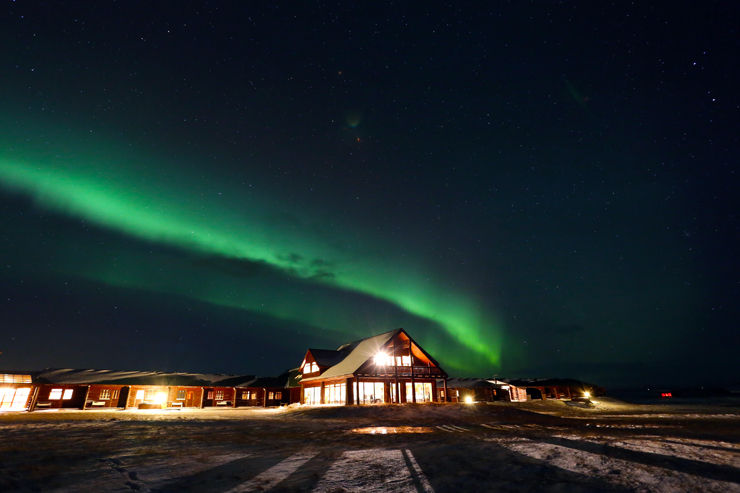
{"points": [[530, 189]]}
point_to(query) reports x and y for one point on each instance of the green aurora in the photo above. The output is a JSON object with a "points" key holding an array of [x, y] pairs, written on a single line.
{"points": [[209, 216]]}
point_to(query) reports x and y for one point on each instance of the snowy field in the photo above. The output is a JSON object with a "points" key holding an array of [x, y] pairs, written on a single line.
{"points": [[535, 446]]}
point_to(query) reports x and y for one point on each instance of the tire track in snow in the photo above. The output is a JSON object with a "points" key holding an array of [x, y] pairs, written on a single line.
{"points": [[274, 475], [374, 471], [452, 428]]}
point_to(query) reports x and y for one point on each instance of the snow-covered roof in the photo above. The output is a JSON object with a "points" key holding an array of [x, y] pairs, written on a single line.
{"points": [[353, 355], [547, 382], [327, 357], [113, 377], [469, 383], [287, 380]]}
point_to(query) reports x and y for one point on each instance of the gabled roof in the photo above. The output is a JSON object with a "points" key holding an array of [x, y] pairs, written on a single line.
{"points": [[294, 378], [355, 354]]}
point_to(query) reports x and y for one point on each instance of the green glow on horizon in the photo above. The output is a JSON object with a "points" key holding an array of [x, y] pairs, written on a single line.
{"points": [[149, 202]]}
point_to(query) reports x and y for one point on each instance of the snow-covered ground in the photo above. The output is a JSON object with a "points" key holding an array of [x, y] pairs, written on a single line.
{"points": [[535, 446]]}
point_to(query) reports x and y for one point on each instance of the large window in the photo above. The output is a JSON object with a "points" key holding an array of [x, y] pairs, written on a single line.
{"points": [[139, 395], [423, 392], [55, 394], [312, 396], [14, 399], [180, 395], [370, 392], [310, 368], [105, 394], [219, 395], [335, 394]]}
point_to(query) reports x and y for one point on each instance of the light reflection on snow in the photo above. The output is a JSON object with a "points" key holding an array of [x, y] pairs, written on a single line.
{"points": [[386, 430]]}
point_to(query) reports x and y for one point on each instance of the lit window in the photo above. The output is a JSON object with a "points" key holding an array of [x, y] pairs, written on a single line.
{"points": [[403, 360], [278, 395], [312, 395], [8, 378], [210, 394], [245, 395], [114, 395], [180, 395], [139, 395], [55, 394], [271, 395], [67, 394], [335, 394], [219, 395], [105, 394]]}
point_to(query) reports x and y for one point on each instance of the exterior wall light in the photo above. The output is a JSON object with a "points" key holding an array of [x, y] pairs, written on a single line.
{"points": [[381, 359]]}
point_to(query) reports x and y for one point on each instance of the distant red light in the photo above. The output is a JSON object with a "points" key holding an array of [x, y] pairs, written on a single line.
{"points": [[666, 395]]}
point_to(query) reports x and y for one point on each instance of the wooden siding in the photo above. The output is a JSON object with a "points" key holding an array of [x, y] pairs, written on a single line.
{"points": [[75, 396], [106, 396]]}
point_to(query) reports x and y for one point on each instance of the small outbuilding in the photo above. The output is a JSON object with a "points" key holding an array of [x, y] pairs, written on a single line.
{"points": [[483, 390], [556, 388]]}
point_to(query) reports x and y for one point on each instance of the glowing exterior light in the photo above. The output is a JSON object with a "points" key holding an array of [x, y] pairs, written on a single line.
{"points": [[382, 359], [587, 394], [468, 400], [160, 398]]}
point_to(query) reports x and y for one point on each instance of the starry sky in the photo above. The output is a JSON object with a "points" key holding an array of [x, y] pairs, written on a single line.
{"points": [[530, 189]]}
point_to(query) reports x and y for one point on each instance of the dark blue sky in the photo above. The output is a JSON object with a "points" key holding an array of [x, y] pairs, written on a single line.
{"points": [[545, 189]]}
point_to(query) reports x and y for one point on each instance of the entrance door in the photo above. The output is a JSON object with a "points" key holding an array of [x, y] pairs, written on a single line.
{"points": [[189, 398]]}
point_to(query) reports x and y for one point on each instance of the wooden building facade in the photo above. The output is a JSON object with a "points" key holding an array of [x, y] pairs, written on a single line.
{"points": [[104, 389], [557, 388], [386, 368], [470, 390]]}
